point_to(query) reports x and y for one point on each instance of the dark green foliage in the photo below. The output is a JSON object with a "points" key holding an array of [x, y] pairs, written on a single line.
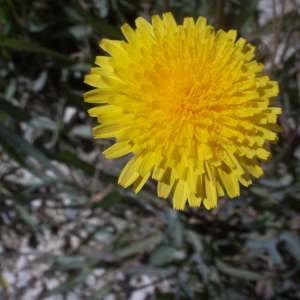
{"points": [[55, 181]]}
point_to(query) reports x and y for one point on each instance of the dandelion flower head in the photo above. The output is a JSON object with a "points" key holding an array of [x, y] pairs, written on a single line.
{"points": [[190, 103]]}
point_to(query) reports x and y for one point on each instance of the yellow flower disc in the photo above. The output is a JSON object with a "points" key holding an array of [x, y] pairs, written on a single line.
{"points": [[190, 103]]}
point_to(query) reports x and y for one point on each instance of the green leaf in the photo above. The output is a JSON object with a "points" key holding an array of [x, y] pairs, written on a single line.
{"points": [[290, 23], [291, 272], [14, 111], [269, 245], [5, 190], [75, 97], [22, 115], [111, 199], [71, 262], [260, 191], [118, 11], [139, 247], [97, 255], [14, 155], [166, 254], [248, 7], [70, 284], [102, 27], [32, 187], [194, 239], [30, 47], [70, 158], [292, 244], [26, 216], [101, 293], [44, 123], [227, 269], [152, 271], [18, 142]]}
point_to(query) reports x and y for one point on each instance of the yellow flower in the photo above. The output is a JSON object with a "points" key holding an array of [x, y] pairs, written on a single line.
{"points": [[190, 103]]}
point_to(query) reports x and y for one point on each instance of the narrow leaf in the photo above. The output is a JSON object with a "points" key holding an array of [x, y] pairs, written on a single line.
{"points": [[17, 141], [227, 269]]}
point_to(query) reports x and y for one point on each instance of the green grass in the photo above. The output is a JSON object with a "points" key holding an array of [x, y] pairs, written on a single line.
{"points": [[61, 205]]}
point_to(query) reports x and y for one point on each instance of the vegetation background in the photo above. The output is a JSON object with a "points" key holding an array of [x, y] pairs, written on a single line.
{"points": [[68, 231]]}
